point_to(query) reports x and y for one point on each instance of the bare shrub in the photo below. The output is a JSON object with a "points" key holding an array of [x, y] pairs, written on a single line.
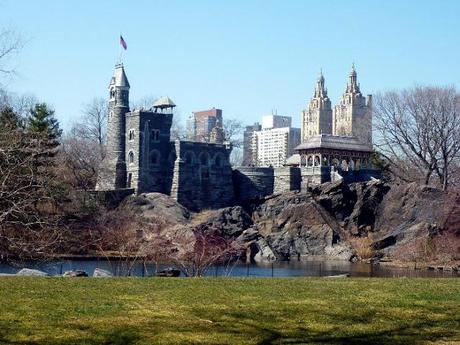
{"points": [[362, 246], [192, 252]]}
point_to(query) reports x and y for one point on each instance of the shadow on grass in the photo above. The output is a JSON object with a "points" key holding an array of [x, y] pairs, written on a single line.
{"points": [[116, 336], [237, 327]]}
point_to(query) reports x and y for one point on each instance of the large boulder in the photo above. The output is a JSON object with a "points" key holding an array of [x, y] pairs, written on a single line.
{"points": [[352, 205], [295, 226], [28, 272], [75, 274], [154, 206], [408, 213], [228, 222], [101, 273]]}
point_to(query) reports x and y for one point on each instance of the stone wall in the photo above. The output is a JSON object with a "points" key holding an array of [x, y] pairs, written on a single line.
{"points": [[147, 138], [312, 176], [202, 175], [252, 183], [286, 179]]}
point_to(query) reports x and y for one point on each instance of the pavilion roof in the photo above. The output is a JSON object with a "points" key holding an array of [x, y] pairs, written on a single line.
{"points": [[334, 142]]}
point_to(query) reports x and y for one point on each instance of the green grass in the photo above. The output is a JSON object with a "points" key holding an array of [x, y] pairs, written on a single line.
{"points": [[229, 311]]}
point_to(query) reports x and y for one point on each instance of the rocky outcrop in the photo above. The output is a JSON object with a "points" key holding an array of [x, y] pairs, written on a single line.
{"points": [[153, 206], [229, 221], [352, 205], [295, 226], [408, 212], [327, 222]]}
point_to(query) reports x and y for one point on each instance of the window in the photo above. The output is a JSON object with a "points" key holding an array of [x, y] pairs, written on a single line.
{"points": [[130, 178], [131, 134], [131, 157], [155, 135]]}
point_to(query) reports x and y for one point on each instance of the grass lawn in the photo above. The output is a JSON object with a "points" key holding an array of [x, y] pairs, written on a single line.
{"points": [[229, 311]]}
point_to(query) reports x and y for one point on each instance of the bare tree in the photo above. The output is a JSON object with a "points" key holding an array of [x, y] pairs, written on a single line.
{"points": [[418, 132], [94, 123], [79, 162], [236, 157], [28, 209], [21, 104], [192, 252], [10, 45], [233, 130]]}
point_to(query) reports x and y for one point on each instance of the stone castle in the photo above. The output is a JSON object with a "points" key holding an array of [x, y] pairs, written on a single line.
{"points": [[141, 157]]}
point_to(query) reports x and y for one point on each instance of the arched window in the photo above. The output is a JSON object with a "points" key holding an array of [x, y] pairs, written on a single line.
{"points": [[130, 157]]}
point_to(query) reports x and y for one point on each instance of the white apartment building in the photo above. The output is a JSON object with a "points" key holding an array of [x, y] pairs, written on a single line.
{"points": [[276, 141]]}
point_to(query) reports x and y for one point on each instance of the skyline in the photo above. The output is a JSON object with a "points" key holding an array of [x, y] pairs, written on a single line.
{"points": [[247, 58]]}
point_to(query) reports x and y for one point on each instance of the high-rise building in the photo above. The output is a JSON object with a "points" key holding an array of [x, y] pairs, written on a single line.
{"points": [[353, 115], [201, 124], [250, 144], [275, 141], [317, 119]]}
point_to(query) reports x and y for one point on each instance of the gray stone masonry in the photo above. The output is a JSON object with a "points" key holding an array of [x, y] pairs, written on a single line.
{"points": [[149, 154], [252, 183], [286, 179], [202, 175]]}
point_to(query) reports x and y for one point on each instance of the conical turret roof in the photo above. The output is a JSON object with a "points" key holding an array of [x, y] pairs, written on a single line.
{"points": [[119, 78]]}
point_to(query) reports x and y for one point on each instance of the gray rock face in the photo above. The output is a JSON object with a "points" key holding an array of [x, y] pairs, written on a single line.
{"points": [[406, 213], [229, 221], [101, 273], [28, 272], [324, 222], [263, 252], [75, 273], [154, 205], [295, 226], [354, 205]]}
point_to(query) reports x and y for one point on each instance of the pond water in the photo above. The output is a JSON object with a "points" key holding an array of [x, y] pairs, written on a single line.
{"points": [[277, 269]]}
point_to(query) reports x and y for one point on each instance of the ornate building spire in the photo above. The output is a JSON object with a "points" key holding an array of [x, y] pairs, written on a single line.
{"points": [[317, 118], [320, 91], [352, 85]]}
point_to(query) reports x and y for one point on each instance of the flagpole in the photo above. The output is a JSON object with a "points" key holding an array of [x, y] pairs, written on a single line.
{"points": [[120, 61]]}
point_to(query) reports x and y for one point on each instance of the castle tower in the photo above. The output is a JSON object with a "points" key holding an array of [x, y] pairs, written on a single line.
{"points": [[113, 174], [318, 118], [353, 114]]}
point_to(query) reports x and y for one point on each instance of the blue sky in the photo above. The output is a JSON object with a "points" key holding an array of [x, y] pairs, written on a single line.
{"points": [[244, 56]]}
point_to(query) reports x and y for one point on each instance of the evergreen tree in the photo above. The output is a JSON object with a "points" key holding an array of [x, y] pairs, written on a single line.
{"points": [[43, 123], [9, 119]]}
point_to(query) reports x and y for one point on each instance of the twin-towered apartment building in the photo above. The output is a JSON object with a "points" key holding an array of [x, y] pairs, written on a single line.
{"points": [[271, 143]]}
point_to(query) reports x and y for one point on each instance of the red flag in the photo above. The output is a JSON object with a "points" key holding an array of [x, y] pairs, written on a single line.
{"points": [[123, 43]]}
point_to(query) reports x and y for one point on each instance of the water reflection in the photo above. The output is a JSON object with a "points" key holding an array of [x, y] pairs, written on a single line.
{"points": [[277, 269]]}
